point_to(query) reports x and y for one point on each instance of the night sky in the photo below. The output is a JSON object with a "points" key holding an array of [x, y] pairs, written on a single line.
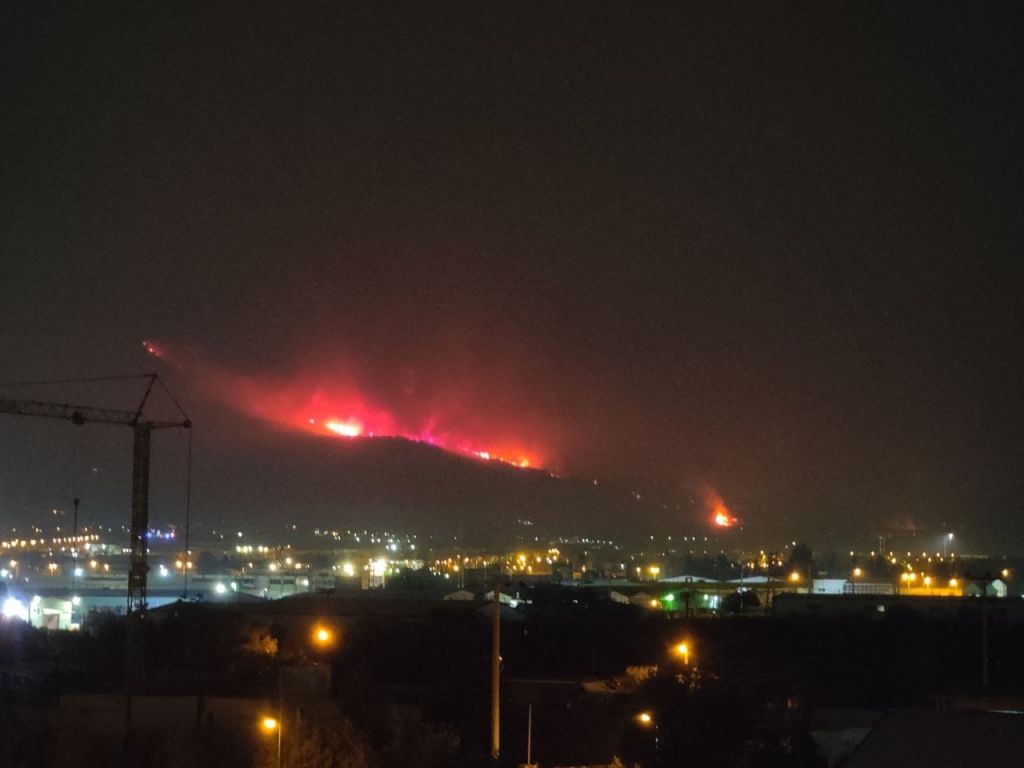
{"points": [[770, 248]]}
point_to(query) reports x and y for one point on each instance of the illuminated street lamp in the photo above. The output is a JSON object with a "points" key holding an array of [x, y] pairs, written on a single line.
{"points": [[683, 651], [857, 573], [646, 721], [322, 636], [271, 724], [794, 577]]}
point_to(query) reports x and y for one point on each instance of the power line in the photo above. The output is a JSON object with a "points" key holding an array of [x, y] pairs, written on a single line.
{"points": [[78, 381]]}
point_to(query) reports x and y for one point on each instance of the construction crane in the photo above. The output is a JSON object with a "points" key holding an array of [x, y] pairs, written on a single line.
{"points": [[142, 430]]}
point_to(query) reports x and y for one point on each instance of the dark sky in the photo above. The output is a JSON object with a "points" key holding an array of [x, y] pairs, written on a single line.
{"points": [[770, 247]]}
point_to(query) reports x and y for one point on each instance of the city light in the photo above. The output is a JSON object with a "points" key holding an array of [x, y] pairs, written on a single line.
{"points": [[794, 576], [683, 650], [322, 636], [15, 609], [269, 724], [857, 573], [645, 718]]}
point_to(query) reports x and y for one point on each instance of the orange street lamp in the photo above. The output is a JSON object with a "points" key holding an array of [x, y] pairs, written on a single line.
{"points": [[645, 719], [322, 636], [271, 724], [683, 650]]}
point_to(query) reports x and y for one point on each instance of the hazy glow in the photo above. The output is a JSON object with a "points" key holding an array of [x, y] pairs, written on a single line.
{"points": [[152, 348], [15, 609], [343, 428], [335, 405], [720, 513]]}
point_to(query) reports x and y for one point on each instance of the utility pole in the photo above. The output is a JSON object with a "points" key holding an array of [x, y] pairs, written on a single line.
{"points": [[984, 645], [496, 672], [529, 736]]}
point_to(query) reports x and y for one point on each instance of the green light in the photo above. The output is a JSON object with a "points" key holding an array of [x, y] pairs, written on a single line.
{"points": [[669, 598]]}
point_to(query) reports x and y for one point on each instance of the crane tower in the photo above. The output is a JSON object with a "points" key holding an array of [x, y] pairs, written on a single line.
{"points": [[142, 429]]}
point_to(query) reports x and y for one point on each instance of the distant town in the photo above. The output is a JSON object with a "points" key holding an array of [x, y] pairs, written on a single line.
{"points": [[561, 651], [59, 581]]}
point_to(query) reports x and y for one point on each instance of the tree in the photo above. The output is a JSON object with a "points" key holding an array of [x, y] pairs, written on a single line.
{"points": [[328, 745], [699, 719], [740, 600], [801, 559], [414, 741]]}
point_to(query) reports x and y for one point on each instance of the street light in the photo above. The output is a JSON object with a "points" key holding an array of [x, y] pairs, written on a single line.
{"points": [[322, 636], [794, 577], [271, 724], [646, 721], [683, 650]]}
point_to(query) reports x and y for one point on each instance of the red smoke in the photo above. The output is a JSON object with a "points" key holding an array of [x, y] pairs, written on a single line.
{"points": [[720, 513], [335, 405]]}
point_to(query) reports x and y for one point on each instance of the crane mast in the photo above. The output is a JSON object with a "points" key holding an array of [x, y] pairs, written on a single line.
{"points": [[142, 433]]}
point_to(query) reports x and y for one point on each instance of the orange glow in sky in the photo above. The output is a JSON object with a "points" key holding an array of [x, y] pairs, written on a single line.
{"points": [[720, 514], [345, 428], [337, 406]]}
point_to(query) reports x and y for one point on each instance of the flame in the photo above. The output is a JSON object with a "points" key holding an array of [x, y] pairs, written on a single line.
{"points": [[720, 513], [343, 428], [152, 348], [336, 406]]}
